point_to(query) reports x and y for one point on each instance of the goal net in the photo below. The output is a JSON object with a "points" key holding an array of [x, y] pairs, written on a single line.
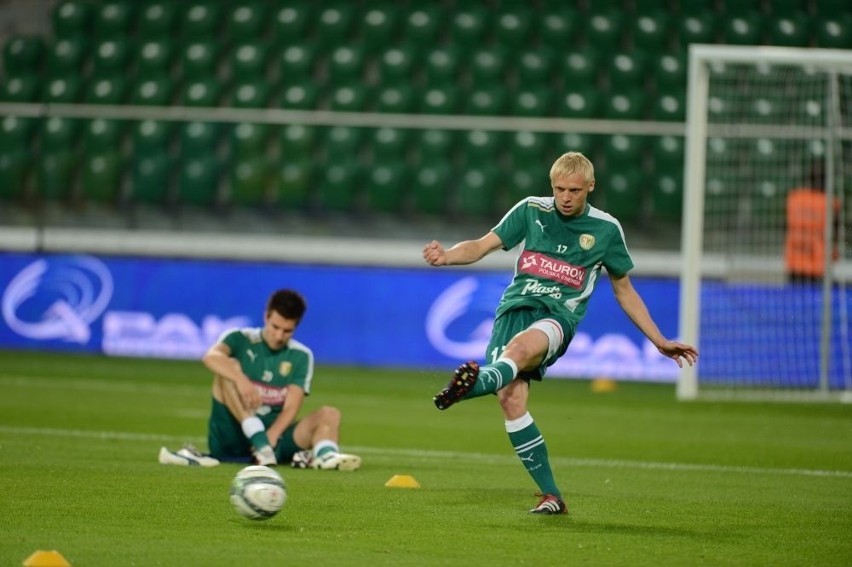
{"points": [[768, 183]]}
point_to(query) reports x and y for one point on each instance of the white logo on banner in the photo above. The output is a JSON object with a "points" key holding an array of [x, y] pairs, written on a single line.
{"points": [[74, 293], [447, 308]]}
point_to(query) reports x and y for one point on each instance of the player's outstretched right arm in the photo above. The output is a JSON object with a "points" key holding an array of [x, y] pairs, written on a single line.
{"points": [[465, 252]]}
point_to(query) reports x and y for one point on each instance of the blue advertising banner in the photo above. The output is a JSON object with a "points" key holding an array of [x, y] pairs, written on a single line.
{"points": [[425, 318]]}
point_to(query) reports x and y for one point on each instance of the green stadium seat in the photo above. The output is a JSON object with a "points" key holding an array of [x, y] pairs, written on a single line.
{"points": [[23, 54], [295, 63], [833, 31], [71, 18], [790, 30], [199, 20], [151, 136], [534, 67], [290, 21], [111, 56], [66, 55], [63, 90], [604, 29], [625, 105], [698, 27], [246, 20], [530, 149], [342, 142], [199, 59], [156, 19], [626, 70], [669, 106], [440, 100], [349, 98], [334, 23], [478, 191], [668, 155], [293, 184], [200, 92], [150, 179], [389, 145], [248, 61], [743, 29], [249, 178], [469, 26], [670, 72], [250, 94], [434, 145], [650, 30], [621, 151], [579, 101], [397, 64], [387, 188], [297, 142], [16, 133], [558, 24], [113, 19], [14, 168], [101, 176], [766, 109], [54, 174], [423, 25], [441, 66], [21, 88], [733, 8], [667, 197], [340, 186], [103, 135], [59, 133], [512, 28], [248, 140], [482, 146], [487, 66], [198, 182], [302, 96], [198, 139], [580, 66], [154, 57], [587, 144], [430, 188], [395, 99], [528, 181], [722, 109], [346, 65], [622, 191], [378, 26], [486, 101], [531, 101]]}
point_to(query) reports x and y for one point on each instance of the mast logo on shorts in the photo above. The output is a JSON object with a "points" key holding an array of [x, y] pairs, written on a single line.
{"points": [[58, 299]]}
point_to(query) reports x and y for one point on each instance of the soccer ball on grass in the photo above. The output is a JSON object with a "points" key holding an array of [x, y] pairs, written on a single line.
{"points": [[258, 492]]}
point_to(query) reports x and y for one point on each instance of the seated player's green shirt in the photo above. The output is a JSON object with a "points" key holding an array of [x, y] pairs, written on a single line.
{"points": [[561, 258], [272, 371]]}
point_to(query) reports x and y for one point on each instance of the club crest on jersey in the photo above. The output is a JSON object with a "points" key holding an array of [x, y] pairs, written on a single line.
{"points": [[284, 368], [587, 241]]}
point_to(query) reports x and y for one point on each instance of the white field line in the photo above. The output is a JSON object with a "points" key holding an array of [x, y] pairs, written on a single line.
{"points": [[431, 455]]}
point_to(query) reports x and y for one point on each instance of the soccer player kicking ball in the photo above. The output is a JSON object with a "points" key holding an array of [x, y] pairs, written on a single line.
{"points": [[566, 242], [260, 379]]}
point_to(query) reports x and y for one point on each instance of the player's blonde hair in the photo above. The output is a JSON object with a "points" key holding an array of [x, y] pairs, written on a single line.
{"points": [[570, 163]]}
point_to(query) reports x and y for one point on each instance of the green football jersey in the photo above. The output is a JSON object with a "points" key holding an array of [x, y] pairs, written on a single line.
{"points": [[561, 258], [271, 370]]}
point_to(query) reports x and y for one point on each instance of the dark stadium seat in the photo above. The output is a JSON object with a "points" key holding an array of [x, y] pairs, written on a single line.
{"points": [[248, 139], [481, 147], [297, 142], [669, 105], [625, 69], [342, 142], [63, 89], [111, 56], [199, 20], [156, 19], [103, 134], [23, 54], [469, 25], [744, 28], [352, 97], [106, 90], [557, 25], [512, 27], [578, 67], [334, 23], [250, 94], [339, 185], [151, 136], [20, 88], [154, 57], [100, 176], [14, 169], [59, 133], [698, 27], [346, 65], [604, 29], [668, 155], [833, 30], [397, 64], [669, 72], [198, 181], [439, 100], [198, 139], [377, 26], [791, 29], [486, 66], [199, 59], [434, 145], [387, 187], [113, 18], [246, 20], [292, 184], [622, 151], [486, 101], [625, 104], [533, 67], [530, 149], [71, 18], [248, 60], [150, 179], [578, 101], [54, 171], [200, 92], [587, 144], [531, 101], [290, 22], [666, 197], [300, 96], [622, 192], [249, 176], [431, 183], [423, 24], [528, 181], [441, 66], [295, 62], [66, 55], [478, 191], [388, 145], [650, 30], [395, 99]]}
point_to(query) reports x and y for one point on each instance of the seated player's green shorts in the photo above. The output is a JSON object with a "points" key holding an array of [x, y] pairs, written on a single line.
{"points": [[227, 442], [513, 322]]}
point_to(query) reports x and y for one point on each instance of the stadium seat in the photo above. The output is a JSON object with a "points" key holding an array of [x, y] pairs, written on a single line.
{"points": [[103, 135], [833, 31], [151, 136], [113, 19], [154, 57], [423, 25], [250, 94], [789, 29], [63, 90], [556, 25], [604, 29], [342, 143], [292, 184], [156, 19], [198, 182], [469, 26], [290, 21], [579, 67], [248, 140], [512, 28], [150, 179], [528, 181], [377, 27], [346, 65], [587, 144], [670, 72], [387, 188], [441, 66], [625, 105], [388, 145], [111, 56], [54, 174], [622, 192], [431, 185], [59, 133], [698, 27], [439, 100], [297, 142], [579, 101], [527, 150], [669, 106], [249, 176], [766, 109], [100, 176], [534, 67], [397, 64], [531, 101], [296, 63], [395, 99], [199, 20], [23, 54], [623, 152], [66, 55], [434, 145], [340, 185], [742, 29], [21, 88], [198, 139], [626, 70], [650, 30], [486, 101], [14, 167], [668, 155], [200, 92], [16, 132], [71, 18], [303, 96], [248, 61], [481, 147], [199, 59], [246, 20], [478, 191], [667, 197], [349, 98], [334, 22], [486, 67]]}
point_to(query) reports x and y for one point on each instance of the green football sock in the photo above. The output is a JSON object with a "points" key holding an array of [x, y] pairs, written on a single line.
{"points": [[531, 449], [493, 377]]}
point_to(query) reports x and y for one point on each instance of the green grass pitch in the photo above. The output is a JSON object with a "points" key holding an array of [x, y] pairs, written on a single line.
{"points": [[649, 481]]}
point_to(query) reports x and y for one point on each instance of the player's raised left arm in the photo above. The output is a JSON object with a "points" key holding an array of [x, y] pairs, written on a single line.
{"points": [[633, 305]]}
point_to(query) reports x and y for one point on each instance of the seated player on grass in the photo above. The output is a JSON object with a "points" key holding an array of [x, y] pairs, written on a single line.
{"points": [[260, 379]]}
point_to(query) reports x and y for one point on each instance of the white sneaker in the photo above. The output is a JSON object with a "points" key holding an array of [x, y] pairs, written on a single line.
{"points": [[187, 456], [301, 460], [265, 456], [337, 461]]}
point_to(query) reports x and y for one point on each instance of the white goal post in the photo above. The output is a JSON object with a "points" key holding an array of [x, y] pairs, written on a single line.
{"points": [[764, 123]]}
